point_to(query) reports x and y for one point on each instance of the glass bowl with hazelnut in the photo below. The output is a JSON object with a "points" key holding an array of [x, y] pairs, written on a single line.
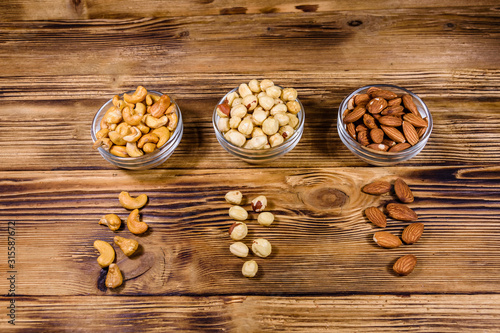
{"points": [[129, 135], [384, 124], [259, 121]]}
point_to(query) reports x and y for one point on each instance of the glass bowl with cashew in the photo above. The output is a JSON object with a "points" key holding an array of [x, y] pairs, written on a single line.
{"points": [[138, 129], [384, 124], [259, 121]]}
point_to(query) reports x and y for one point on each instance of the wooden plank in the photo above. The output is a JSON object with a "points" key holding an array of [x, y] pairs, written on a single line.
{"points": [[322, 241], [273, 313], [91, 9], [438, 39], [56, 118]]}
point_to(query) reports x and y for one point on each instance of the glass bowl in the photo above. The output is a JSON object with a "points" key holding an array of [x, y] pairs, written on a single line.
{"points": [[257, 156], [382, 158], [146, 161]]}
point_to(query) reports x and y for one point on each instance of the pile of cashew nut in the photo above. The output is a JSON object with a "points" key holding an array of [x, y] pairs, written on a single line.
{"points": [[137, 124], [114, 277]]}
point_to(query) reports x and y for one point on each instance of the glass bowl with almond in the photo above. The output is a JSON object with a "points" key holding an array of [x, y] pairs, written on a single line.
{"points": [[384, 124]]}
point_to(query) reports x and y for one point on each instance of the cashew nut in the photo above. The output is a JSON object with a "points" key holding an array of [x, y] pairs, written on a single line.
{"points": [[134, 135], [134, 225], [127, 245], [171, 109], [163, 134], [150, 137], [131, 118], [139, 95], [119, 103], [140, 108], [104, 143], [149, 147], [129, 202], [123, 129], [120, 151], [143, 128], [114, 278], [132, 150], [172, 121], [151, 99], [112, 221], [107, 253], [158, 109], [154, 122], [103, 133], [117, 138], [113, 115]]}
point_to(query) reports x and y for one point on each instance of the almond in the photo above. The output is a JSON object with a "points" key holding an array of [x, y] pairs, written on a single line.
{"points": [[369, 121], [410, 133], [361, 99], [361, 128], [405, 264], [363, 138], [390, 121], [388, 143], [377, 135], [376, 216], [386, 240], [385, 94], [355, 114], [350, 103], [377, 187], [415, 120], [412, 233], [393, 110], [378, 146], [399, 147], [351, 129], [393, 133], [371, 90], [401, 212], [421, 131], [410, 105], [403, 191], [393, 102], [376, 105]]}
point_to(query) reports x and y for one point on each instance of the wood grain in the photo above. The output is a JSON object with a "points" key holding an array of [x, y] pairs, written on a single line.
{"points": [[343, 313], [316, 237]]}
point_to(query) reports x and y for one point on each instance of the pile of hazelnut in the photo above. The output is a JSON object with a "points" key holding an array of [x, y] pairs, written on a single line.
{"points": [[238, 231], [259, 115]]}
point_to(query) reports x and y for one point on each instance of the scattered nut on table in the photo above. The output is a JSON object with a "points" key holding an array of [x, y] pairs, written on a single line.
{"points": [[134, 224], [125, 127], [261, 247], [106, 251], [238, 231], [265, 218], [239, 249], [238, 213], [259, 203], [234, 197], [127, 245], [250, 268], [131, 203], [112, 221], [114, 278], [259, 105]]}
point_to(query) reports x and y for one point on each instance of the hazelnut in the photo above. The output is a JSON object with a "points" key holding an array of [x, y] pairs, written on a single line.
{"points": [[238, 231], [289, 94], [234, 197], [250, 268], [265, 218], [239, 249], [261, 247], [238, 213], [259, 204]]}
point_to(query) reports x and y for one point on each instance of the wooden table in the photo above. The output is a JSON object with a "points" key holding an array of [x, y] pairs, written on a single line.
{"points": [[62, 59]]}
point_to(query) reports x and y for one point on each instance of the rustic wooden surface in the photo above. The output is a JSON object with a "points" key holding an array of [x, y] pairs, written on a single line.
{"points": [[62, 59]]}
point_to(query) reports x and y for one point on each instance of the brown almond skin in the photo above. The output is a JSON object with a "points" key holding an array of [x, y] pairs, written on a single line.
{"points": [[376, 216], [387, 240], [410, 133], [394, 102], [403, 191], [378, 146], [405, 265], [377, 187], [385, 94], [361, 99], [399, 147], [401, 212], [369, 121], [390, 121], [377, 135], [376, 105], [393, 133], [351, 129], [363, 138], [412, 233], [415, 120], [409, 104], [355, 114]]}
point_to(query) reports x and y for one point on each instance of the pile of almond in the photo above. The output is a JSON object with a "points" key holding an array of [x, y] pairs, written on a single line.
{"points": [[384, 121], [398, 211]]}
